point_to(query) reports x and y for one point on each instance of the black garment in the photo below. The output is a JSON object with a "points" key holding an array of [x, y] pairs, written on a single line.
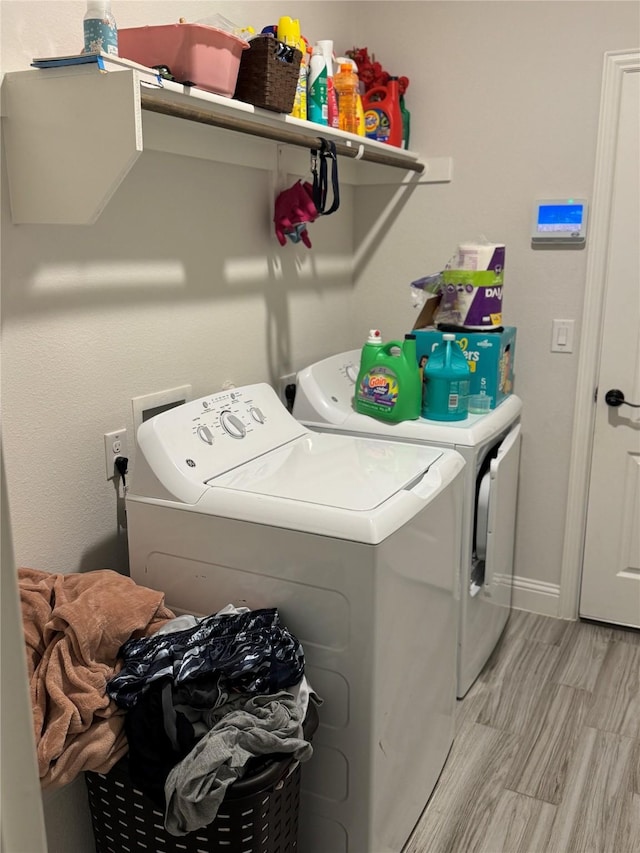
{"points": [[244, 653], [152, 752]]}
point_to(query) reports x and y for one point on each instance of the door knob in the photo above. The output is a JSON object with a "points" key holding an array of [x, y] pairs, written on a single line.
{"points": [[615, 398]]}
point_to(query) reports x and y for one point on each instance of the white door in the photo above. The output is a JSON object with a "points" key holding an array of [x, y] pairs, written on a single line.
{"points": [[610, 587]]}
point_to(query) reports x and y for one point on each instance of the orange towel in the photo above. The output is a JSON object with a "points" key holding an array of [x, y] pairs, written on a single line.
{"points": [[74, 625]]}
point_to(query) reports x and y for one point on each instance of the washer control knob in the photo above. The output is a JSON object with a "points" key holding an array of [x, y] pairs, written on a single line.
{"points": [[205, 434], [257, 415], [352, 373], [232, 425]]}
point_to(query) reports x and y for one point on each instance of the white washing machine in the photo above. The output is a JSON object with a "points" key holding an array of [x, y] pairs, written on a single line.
{"points": [[490, 445], [355, 541]]}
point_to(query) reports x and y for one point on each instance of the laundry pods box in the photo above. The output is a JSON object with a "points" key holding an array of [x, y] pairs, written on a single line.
{"points": [[490, 356]]}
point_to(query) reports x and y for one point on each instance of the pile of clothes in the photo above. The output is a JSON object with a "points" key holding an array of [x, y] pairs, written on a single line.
{"points": [[209, 699], [194, 703]]}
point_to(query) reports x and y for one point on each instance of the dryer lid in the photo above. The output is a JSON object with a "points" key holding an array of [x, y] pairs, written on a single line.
{"points": [[324, 401], [337, 471]]}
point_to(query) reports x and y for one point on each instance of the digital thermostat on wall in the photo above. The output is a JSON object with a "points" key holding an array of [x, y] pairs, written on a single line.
{"points": [[560, 221]]}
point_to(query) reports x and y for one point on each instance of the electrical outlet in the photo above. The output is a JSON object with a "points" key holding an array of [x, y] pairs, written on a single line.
{"points": [[285, 381], [115, 444]]}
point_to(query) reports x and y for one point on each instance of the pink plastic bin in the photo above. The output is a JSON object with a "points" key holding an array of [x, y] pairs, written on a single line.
{"points": [[207, 56]]}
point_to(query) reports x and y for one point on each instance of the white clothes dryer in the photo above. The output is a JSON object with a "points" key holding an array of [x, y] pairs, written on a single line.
{"points": [[490, 445], [355, 541]]}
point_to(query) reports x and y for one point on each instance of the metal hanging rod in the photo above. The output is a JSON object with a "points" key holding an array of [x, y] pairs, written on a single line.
{"points": [[287, 136]]}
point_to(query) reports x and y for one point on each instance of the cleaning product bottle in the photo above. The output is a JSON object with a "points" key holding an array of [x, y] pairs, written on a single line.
{"points": [[382, 116], [317, 88], [388, 385], [288, 32], [446, 376], [100, 30], [359, 108], [326, 46], [301, 97], [346, 86], [406, 123], [370, 349]]}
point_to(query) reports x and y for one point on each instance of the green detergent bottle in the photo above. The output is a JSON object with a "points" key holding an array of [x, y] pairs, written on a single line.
{"points": [[446, 377], [389, 385]]}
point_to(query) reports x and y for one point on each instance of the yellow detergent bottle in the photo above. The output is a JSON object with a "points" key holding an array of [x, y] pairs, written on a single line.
{"points": [[389, 386]]}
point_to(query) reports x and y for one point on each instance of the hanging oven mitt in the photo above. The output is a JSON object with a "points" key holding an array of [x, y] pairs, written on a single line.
{"points": [[294, 208]]}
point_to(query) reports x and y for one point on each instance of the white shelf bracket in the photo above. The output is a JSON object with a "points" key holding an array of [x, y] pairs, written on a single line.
{"points": [[70, 141]]}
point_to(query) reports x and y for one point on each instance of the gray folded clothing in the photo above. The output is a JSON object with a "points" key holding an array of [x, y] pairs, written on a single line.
{"points": [[195, 788]]}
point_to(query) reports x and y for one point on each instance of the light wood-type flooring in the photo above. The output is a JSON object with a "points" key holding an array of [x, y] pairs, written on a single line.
{"points": [[546, 757]]}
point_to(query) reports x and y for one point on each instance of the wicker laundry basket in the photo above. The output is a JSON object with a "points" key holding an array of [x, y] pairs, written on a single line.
{"points": [[259, 813], [268, 74]]}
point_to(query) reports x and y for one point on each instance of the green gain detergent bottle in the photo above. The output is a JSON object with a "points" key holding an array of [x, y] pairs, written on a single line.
{"points": [[446, 377], [389, 385]]}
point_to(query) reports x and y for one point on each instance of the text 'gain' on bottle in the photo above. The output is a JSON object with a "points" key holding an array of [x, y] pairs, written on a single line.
{"points": [[389, 386]]}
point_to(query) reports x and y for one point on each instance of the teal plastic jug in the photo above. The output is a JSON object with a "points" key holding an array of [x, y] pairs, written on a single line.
{"points": [[388, 385], [446, 383]]}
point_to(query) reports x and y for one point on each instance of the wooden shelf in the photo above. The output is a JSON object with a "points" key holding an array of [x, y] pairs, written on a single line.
{"points": [[72, 134]]}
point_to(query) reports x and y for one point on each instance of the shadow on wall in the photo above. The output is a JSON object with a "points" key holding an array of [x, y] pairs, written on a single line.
{"points": [[377, 216], [173, 232], [101, 554], [178, 234]]}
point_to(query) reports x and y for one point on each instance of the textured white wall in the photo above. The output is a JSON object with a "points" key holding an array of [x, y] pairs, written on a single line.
{"points": [[181, 281], [511, 90], [174, 284]]}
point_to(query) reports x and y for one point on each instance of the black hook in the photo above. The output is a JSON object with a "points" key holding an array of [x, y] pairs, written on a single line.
{"points": [[320, 186]]}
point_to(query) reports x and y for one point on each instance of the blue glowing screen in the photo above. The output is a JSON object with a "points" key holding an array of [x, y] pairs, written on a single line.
{"points": [[560, 217]]}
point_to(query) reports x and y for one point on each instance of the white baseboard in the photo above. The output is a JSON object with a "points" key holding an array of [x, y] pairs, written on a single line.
{"points": [[536, 596]]}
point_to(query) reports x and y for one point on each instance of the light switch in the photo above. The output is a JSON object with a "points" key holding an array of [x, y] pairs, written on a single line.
{"points": [[562, 336]]}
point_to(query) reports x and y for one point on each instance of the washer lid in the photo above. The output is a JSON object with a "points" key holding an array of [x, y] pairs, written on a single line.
{"points": [[343, 472]]}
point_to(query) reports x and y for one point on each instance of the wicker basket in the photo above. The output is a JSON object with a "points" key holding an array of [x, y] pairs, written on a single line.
{"points": [[259, 813], [268, 74]]}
